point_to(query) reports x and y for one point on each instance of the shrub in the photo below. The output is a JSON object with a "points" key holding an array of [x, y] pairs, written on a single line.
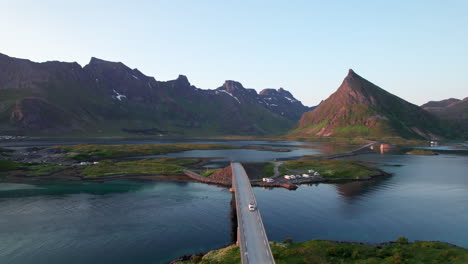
{"points": [[196, 259], [402, 240]]}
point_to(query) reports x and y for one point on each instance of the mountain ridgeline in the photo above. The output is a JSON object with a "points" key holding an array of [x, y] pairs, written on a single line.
{"points": [[109, 98], [455, 111], [360, 108]]}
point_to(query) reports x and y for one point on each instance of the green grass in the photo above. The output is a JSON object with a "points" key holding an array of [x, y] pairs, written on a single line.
{"points": [[8, 165], [332, 169], [268, 169], [39, 169], [311, 129], [31, 169], [325, 252], [353, 130], [163, 166], [208, 172], [88, 152], [424, 152]]}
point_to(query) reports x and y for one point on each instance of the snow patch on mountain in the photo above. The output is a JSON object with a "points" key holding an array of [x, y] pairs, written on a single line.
{"points": [[118, 96], [230, 95]]}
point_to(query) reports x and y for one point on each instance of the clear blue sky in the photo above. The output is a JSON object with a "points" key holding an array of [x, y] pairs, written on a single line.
{"points": [[417, 50]]}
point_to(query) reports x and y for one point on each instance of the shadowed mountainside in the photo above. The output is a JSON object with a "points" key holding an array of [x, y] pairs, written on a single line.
{"points": [[109, 98], [453, 110]]}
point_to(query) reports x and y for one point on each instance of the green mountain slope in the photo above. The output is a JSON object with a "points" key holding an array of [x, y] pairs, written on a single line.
{"points": [[108, 98]]}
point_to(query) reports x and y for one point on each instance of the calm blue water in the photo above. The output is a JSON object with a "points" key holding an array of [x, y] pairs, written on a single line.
{"points": [[114, 222], [240, 155], [425, 199], [153, 222], [110, 141]]}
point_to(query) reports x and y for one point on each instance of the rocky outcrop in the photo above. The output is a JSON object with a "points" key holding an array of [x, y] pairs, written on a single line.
{"points": [[224, 175]]}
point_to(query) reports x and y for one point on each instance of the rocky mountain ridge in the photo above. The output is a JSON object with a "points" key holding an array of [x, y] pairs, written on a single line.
{"points": [[106, 97]]}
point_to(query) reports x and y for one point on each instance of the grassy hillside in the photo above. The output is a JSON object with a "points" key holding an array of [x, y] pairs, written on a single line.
{"points": [[325, 252]]}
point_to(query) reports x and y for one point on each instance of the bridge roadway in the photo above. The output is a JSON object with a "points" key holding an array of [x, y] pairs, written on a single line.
{"points": [[251, 236]]}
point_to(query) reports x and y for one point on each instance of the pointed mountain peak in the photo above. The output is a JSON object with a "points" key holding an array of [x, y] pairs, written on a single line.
{"points": [[96, 61], [352, 75], [182, 80]]}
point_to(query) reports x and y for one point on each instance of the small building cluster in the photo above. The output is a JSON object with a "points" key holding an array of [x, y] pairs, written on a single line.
{"points": [[268, 180], [86, 163], [311, 174]]}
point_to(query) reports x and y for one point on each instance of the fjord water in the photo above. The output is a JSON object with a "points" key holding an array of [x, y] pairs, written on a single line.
{"points": [[153, 222], [113, 222], [426, 198]]}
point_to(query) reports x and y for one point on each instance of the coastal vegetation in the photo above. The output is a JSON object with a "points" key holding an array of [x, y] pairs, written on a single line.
{"points": [[105, 168], [207, 173], [8, 165], [267, 169], [163, 166], [40, 169], [30, 169], [90, 151], [330, 169], [327, 252], [424, 152]]}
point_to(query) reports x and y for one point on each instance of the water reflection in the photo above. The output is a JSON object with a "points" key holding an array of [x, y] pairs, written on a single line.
{"points": [[425, 199], [154, 224], [127, 221], [241, 155], [354, 190]]}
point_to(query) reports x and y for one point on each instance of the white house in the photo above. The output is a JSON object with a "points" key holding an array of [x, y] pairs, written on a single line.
{"points": [[268, 180], [316, 174], [305, 175], [311, 171], [289, 177]]}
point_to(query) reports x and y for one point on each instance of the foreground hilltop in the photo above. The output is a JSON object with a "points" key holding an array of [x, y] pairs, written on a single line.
{"points": [[360, 108], [109, 98]]}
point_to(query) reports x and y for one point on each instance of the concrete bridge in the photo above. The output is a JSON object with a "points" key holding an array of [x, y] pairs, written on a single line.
{"points": [[251, 236], [363, 149]]}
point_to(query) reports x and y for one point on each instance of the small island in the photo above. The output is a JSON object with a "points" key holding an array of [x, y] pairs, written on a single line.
{"points": [[102, 162]]}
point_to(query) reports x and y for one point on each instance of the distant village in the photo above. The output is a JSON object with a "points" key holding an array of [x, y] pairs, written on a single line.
{"points": [[11, 137], [311, 174]]}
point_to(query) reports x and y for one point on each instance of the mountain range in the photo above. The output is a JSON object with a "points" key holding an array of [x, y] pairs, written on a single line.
{"points": [[106, 98], [109, 98]]}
